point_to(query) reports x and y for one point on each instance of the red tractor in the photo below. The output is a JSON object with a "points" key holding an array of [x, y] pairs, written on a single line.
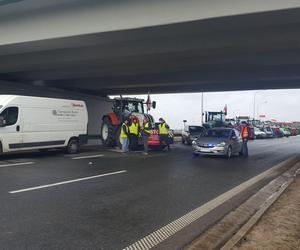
{"points": [[124, 108]]}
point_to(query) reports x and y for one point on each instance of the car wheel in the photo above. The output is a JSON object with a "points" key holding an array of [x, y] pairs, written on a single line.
{"points": [[229, 152], [182, 141], [73, 146]]}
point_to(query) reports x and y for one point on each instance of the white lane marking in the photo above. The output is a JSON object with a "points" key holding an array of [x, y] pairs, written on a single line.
{"points": [[17, 164], [86, 157], [65, 182], [173, 227]]}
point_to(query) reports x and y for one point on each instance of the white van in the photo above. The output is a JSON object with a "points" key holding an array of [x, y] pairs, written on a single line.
{"points": [[40, 123]]}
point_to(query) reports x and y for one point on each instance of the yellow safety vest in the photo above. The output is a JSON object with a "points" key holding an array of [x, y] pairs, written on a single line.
{"points": [[134, 128], [123, 134], [146, 128], [163, 129]]}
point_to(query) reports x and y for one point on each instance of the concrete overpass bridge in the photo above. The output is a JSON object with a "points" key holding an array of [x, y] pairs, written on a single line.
{"points": [[88, 49], [136, 46]]}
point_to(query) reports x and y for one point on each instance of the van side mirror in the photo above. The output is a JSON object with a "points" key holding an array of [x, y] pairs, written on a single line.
{"points": [[2, 121], [154, 104]]}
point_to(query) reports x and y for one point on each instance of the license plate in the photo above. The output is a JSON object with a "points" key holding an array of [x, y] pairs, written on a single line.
{"points": [[205, 150]]}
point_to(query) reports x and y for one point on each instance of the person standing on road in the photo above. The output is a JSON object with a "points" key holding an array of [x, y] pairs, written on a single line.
{"points": [[124, 135], [133, 134], [245, 138], [163, 129], [145, 134]]}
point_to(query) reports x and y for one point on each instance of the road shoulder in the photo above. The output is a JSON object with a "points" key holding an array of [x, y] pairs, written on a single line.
{"points": [[279, 228]]}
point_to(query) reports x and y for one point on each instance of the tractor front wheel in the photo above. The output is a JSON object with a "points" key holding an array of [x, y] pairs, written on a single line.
{"points": [[108, 133]]}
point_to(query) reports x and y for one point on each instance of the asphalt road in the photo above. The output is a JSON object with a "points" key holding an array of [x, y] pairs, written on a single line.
{"points": [[72, 205]]}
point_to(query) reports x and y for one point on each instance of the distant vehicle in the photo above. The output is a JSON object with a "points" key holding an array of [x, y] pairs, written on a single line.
{"points": [[293, 131], [256, 123], [28, 123], [215, 120], [230, 121], [218, 141], [268, 131], [259, 134], [285, 132], [191, 133], [276, 131]]}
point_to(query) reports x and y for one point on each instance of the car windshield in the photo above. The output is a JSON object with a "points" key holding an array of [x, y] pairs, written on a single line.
{"points": [[218, 133], [195, 129]]}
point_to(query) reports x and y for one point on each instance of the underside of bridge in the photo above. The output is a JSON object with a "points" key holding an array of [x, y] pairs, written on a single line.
{"points": [[240, 52]]}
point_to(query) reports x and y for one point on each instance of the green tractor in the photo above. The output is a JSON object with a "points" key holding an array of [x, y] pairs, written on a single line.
{"points": [[215, 119]]}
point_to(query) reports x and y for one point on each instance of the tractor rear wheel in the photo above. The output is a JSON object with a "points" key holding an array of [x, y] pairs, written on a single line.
{"points": [[108, 133], [118, 139]]}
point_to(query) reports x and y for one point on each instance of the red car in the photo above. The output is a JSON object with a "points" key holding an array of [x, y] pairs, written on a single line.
{"points": [[154, 141], [294, 131]]}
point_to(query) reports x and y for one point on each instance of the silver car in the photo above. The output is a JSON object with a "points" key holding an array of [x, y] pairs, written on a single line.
{"points": [[191, 133], [219, 141]]}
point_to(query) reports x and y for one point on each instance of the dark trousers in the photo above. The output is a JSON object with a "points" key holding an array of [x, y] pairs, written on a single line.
{"points": [[145, 141], [245, 148], [133, 142]]}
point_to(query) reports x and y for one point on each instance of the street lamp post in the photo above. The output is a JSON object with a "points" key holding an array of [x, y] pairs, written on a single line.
{"points": [[254, 102], [202, 109], [258, 105]]}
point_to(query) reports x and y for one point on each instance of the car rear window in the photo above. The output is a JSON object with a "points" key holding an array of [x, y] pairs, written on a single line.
{"points": [[195, 129]]}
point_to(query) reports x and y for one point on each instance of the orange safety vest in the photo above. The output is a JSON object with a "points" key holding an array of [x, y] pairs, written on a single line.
{"points": [[245, 132]]}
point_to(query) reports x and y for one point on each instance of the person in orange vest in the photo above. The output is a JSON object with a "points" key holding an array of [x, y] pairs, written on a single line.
{"points": [[134, 130], [245, 138]]}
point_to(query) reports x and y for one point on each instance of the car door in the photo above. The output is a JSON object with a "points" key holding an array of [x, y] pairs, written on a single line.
{"points": [[238, 142], [10, 132]]}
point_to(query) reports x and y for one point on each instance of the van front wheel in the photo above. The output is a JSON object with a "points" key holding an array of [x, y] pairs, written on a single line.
{"points": [[73, 146]]}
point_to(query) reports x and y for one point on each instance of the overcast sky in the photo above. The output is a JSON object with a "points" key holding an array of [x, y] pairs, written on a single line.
{"points": [[283, 105]]}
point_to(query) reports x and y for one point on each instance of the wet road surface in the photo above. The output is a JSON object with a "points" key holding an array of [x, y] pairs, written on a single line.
{"points": [[101, 199]]}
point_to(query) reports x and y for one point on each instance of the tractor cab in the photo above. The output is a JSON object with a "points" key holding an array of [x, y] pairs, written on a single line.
{"points": [[214, 119], [128, 106]]}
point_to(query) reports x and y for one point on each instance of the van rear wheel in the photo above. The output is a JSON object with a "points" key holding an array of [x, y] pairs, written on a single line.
{"points": [[73, 146]]}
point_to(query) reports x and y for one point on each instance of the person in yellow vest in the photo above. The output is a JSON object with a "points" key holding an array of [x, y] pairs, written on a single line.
{"points": [[163, 130], [146, 130], [124, 135], [134, 130]]}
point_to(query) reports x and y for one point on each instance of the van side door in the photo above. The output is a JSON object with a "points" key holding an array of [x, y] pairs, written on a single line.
{"points": [[10, 131]]}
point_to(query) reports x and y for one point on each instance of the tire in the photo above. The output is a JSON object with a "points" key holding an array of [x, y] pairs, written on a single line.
{"points": [[182, 140], [73, 146], [108, 133], [118, 139], [229, 152]]}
